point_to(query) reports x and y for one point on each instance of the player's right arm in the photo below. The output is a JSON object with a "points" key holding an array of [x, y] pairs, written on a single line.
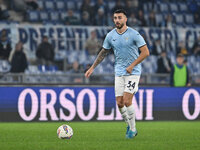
{"points": [[102, 54]]}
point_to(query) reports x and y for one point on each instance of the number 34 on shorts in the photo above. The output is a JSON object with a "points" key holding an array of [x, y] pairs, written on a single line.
{"points": [[126, 84]]}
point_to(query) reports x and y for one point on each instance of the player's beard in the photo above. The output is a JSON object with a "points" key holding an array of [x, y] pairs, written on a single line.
{"points": [[119, 26]]}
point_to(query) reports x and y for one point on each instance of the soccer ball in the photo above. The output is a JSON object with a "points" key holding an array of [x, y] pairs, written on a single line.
{"points": [[64, 132]]}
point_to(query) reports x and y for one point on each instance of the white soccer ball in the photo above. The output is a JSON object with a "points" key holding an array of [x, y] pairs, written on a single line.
{"points": [[64, 132]]}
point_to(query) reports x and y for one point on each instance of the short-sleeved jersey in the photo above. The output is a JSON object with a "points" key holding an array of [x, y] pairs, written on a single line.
{"points": [[126, 49]]}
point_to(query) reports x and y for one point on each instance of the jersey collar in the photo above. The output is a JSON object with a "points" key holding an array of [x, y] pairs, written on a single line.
{"points": [[122, 32]]}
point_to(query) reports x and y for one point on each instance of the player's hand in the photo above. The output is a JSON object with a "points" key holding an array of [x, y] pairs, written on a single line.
{"points": [[129, 69], [89, 72]]}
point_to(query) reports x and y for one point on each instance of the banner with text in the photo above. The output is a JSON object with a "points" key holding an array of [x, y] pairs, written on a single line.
{"points": [[73, 37], [96, 103]]}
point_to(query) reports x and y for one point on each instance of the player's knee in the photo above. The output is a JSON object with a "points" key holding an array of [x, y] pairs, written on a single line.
{"points": [[120, 104], [127, 102]]}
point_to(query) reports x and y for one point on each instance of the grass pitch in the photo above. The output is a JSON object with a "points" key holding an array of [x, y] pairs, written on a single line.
{"points": [[100, 136]]}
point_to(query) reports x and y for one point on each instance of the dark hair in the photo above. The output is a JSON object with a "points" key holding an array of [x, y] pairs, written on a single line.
{"points": [[180, 55], [163, 51], [120, 11], [44, 36]]}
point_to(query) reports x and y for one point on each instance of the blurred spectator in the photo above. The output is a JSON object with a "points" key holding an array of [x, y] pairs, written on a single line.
{"points": [[179, 76], [118, 5], [164, 64], [110, 20], [141, 19], [45, 52], [192, 5], [75, 68], [86, 6], [157, 48], [19, 5], [169, 21], [85, 18], [18, 60], [131, 7], [4, 15], [141, 3], [185, 62], [5, 45], [196, 18], [92, 44], [101, 5], [196, 47], [132, 20], [71, 19], [32, 4], [101, 19], [152, 19], [181, 49]]}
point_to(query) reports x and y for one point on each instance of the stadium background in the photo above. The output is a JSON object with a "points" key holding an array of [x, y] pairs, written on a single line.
{"points": [[57, 93]]}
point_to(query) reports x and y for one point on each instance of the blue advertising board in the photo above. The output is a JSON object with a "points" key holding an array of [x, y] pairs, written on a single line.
{"points": [[96, 103]]}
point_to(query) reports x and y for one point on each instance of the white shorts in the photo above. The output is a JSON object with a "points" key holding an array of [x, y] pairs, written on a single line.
{"points": [[126, 84]]}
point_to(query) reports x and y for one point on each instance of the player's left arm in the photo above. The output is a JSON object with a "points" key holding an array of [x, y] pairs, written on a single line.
{"points": [[144, 53]]}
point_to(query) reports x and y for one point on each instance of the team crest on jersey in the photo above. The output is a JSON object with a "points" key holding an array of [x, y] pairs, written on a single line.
{"points": [[126, 38]]}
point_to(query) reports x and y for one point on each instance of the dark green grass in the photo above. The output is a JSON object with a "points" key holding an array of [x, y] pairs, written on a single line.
{"points": [[100, 136]]}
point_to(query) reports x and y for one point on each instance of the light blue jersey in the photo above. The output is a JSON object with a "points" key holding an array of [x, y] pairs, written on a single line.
{"points": [[125, 47]]}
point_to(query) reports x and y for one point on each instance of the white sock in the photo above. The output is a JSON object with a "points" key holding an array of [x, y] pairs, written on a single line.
{"points": [[131, 115], [124, 114]]}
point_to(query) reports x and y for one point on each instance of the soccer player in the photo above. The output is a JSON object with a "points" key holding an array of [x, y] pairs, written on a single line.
{"points": [[126, 44]]}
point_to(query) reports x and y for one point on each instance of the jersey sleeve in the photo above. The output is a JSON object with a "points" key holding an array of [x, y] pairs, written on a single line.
{"points": [[106, 43], [139, 40]]}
